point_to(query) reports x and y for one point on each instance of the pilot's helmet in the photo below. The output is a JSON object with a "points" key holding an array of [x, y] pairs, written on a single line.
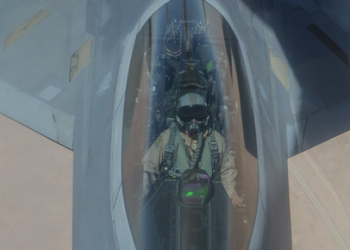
{"points": [[191, 79], [192, 113]]}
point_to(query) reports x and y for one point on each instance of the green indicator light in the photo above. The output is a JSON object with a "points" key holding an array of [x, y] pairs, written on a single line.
{"points": [[189, 194], [209, 66]]}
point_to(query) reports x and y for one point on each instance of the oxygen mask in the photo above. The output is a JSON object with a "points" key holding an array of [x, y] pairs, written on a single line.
{"points": [[194, 128]]}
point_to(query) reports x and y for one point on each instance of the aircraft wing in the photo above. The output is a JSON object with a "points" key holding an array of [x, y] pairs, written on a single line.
{"points": [[60, 62], [299, 70], [40, 43], [298, 54], [63, 74]]}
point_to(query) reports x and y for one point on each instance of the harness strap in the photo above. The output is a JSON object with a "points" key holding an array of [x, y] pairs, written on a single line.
{"points": [[170, 147], [214, 149]]}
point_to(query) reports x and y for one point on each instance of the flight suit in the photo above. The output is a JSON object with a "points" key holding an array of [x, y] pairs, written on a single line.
{"points": [[184, 151]]}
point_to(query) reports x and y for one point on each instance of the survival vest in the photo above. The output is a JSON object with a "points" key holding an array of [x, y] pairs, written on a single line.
{"points": [[175, 147]]}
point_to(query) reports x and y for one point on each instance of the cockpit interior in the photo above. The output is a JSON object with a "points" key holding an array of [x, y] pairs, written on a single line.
{"points": [[179, 51]]}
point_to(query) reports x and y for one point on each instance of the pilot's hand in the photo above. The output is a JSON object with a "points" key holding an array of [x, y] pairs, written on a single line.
{"points": [[236, 200]]}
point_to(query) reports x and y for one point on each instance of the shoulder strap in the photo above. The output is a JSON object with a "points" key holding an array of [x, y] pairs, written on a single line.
{"points": [[214, 149], [170, 147]]}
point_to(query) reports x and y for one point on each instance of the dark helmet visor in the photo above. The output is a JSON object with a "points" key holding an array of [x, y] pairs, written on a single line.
{"points": [[197, 112]]}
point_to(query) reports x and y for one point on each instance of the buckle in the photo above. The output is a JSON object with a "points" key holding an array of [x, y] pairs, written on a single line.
{"points": [[214, 148], [169, 152], [175, 173], [169, 148]]}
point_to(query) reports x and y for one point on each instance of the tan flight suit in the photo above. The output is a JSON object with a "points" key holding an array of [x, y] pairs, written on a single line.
{"points": [[185, 148]]}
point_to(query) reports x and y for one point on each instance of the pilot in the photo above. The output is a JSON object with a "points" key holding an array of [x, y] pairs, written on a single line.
{"points": [[191, 143]]}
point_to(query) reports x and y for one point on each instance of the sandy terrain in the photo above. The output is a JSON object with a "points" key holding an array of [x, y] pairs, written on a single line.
{"points": [[320, 197], [35, 190]]}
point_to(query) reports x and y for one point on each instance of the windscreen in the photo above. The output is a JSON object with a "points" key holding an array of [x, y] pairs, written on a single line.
{"points": [[188, 107]]}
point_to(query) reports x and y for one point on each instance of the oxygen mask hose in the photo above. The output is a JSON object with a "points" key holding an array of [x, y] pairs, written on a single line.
{"points": [[197, 153]]}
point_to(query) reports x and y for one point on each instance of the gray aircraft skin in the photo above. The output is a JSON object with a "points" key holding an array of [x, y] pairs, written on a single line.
{"points": [[295, 55]]}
